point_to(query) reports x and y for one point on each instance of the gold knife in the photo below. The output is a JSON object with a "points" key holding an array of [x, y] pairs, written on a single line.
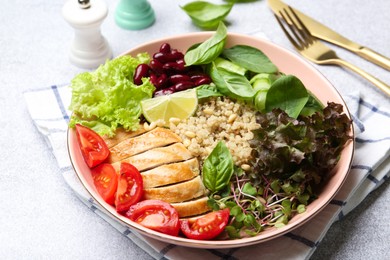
{"points": [[324, 33]]}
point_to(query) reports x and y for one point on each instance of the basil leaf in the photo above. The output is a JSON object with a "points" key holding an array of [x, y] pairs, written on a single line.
{"points": [[218, 168], [193, 46], [207, 15], [287, 93], [209, 50], [250, 58], [231, 84], [205, 91], [312, 105]]}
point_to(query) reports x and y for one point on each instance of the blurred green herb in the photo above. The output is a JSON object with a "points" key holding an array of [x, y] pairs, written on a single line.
{"points": [[207, 15]]}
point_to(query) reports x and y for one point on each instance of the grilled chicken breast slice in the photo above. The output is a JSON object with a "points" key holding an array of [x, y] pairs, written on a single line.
{"points": [[121, 135], [178, 192], [176, 152], [192, 208], [170, 173], [131, 146]]}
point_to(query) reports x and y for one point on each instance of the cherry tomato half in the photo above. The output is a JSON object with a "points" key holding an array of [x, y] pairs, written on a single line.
{"points": [[105, 179], [130, 187], [93, 148], [157, 215], [206, 227]]}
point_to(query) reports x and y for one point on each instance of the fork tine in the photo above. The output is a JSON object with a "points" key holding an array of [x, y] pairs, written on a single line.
{"points": [[291, 39], [305, 33], [293, 28], [297, 32]]}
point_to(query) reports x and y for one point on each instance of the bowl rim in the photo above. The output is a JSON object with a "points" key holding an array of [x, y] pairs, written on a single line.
{"points": [[219, 244]]}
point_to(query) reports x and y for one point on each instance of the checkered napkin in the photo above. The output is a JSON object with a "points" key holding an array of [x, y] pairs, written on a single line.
{"points": [[370, 168]]}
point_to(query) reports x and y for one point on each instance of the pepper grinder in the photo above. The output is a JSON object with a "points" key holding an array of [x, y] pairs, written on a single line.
{"points": [[134, 14], [89, 48]]}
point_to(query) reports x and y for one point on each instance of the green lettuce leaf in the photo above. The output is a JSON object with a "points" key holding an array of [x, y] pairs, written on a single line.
{"points": [[107, 98]]}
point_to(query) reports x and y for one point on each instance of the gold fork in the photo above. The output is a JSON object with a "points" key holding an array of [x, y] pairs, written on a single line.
{"points": [[316, 51]]}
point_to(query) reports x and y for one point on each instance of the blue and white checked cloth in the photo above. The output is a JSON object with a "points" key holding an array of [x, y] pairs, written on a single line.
{"points": [[370, 168]]}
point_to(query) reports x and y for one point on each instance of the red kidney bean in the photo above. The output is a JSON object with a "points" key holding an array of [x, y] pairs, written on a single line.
{"points": [[156, 66], [176, 55], [162, 81], [163, 92], [167, 57], [176, 78], [165, 48], [153, 79], [141, 71], [173, 66], [198, 75], [181, 62], [202, 81], [161, 57], [183, 85]]}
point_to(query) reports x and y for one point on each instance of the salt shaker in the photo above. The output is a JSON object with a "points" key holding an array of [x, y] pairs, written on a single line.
{"points": [[89, 48], [134, 14]]}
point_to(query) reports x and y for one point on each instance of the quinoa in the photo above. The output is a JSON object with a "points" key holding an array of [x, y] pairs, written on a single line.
{"points": [[219, 119]]}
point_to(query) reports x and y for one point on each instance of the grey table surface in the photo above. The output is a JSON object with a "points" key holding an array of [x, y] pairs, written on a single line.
{"points": [[41, 217]]}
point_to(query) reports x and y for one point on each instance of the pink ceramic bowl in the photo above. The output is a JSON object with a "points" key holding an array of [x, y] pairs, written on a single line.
{"points": [[288, 63]]}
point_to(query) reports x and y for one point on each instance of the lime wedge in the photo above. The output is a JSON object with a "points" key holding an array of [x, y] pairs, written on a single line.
{"points": [[179, 105]]}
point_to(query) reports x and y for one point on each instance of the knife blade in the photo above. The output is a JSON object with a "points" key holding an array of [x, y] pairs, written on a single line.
{"points": [[323, 32]]}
